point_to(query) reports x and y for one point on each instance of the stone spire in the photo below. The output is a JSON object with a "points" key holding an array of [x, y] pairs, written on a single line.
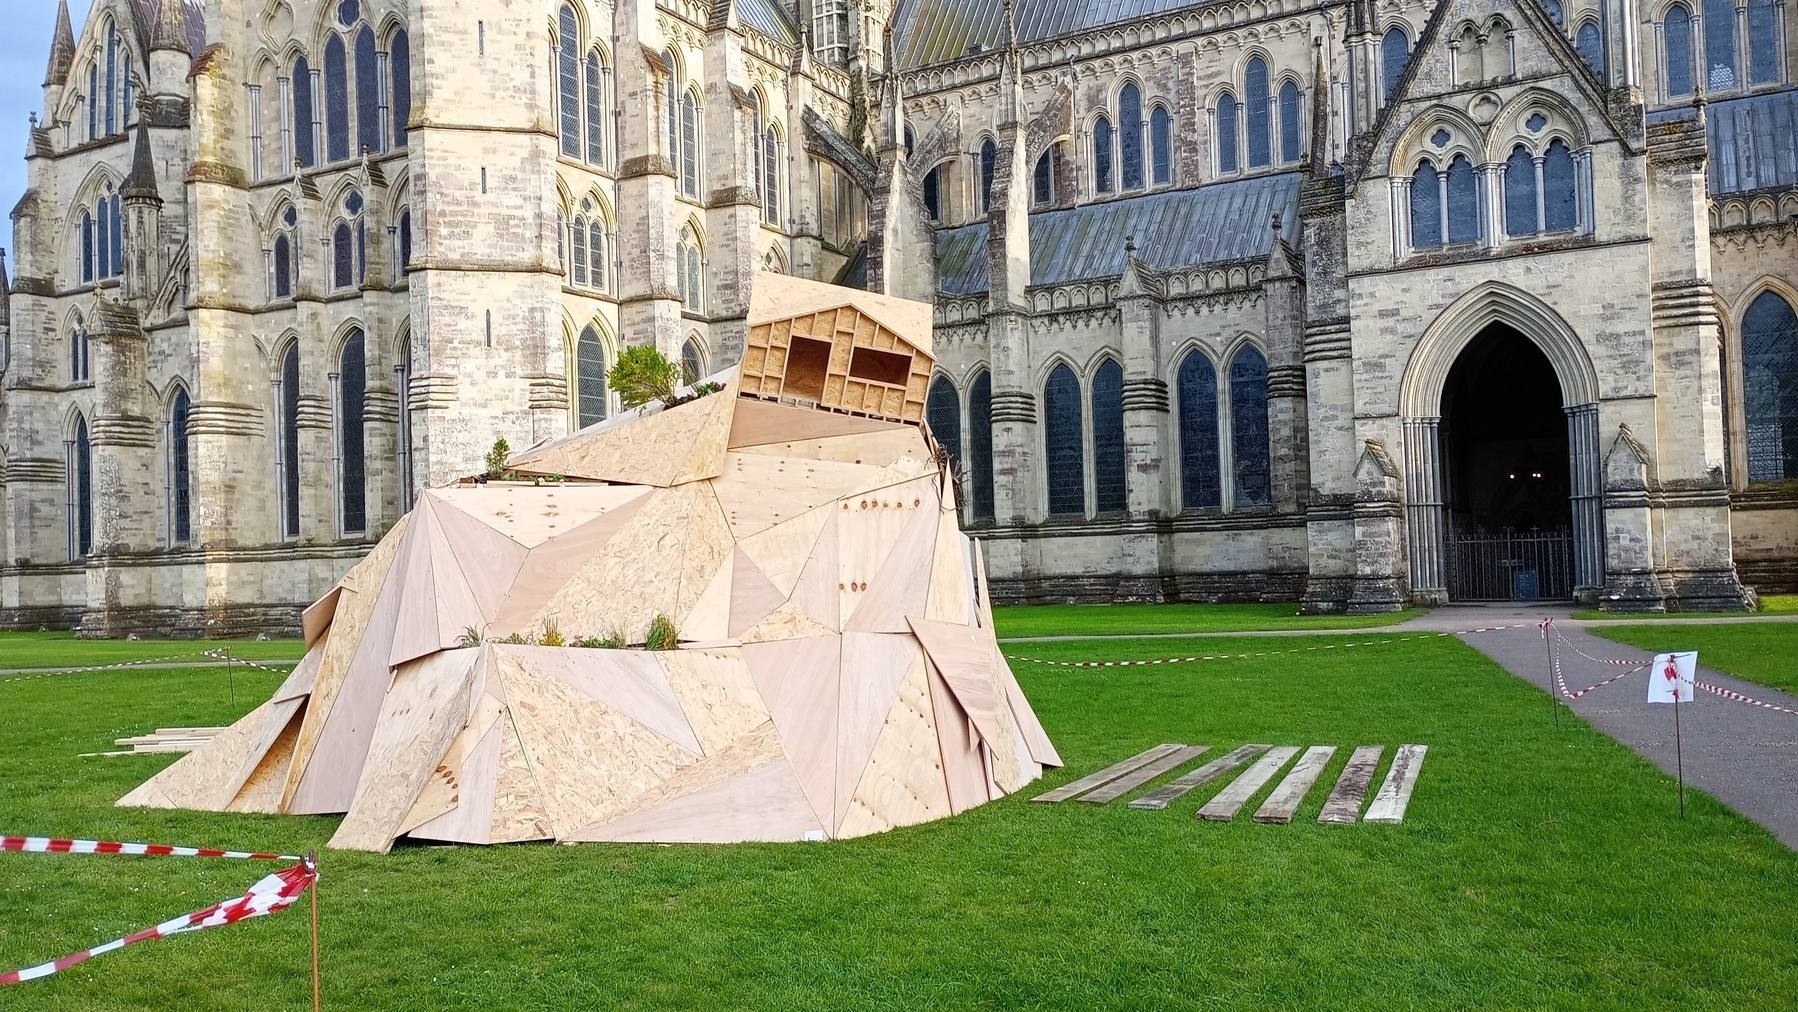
{"points": [[892, 118], [62, 48], [170, 32], [1320, 112], [1011, 73], [141, 183]]}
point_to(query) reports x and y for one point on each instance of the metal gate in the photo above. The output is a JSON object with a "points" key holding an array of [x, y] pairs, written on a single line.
{"points": [[1510, 565]]}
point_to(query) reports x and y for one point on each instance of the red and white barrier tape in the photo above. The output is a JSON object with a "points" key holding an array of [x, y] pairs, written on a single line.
{"points": [[273, 893], [54, 845], [1738, 697], [1548, 624], [99, 667], [1257, 653], [217, 656]]}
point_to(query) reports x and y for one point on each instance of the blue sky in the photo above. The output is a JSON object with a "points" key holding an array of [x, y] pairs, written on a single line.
{"points": [[24, 51]]}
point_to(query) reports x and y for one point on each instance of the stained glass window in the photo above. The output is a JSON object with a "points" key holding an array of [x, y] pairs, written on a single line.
{"points": [[1108, 438], [352, 383], [180, 473], [343, 256], [1161, 145], [1200, 484], [1130, 136], [1719, 45], [400, 62], [1560, 200], [568, 87], [87, 247], [337, 101], [84, 490], [771, 176], [933, 193], [302, 113], [368, 92], [580, 251], [283, 267], [1226, 134], [1255, 96], [1553, 7], [692, 364], [1463, 202], [596, 243], [1102, 155], [689, 153], [1770, 388], [1248, 427], [942, 410], [1395, 50], [1289, 122], [590, 378], [1062, 438], [980, 444], [596, 120], [989, 160], [1042, 189], [1520, 193], [1763, 42], [1677, 28], [405, 238], [1426, 208], [290, 442], [1591, 45]]}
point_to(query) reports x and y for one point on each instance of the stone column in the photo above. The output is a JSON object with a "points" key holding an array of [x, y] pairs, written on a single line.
{"points": [[1330, 393], [1145, 434], [127, 498]]}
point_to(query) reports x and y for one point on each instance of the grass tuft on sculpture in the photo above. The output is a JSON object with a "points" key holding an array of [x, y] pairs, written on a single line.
{"points": [[837, 673]]}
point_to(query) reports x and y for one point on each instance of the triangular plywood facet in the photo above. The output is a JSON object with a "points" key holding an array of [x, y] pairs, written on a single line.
{"points": [[951, 596], [786, 622], [533, 514], [707, 546], [439, 610], [261, 791], [902, 585], [442, 791], [818, 591], [964, 759], [518, 810], [629, 681], [781, 551], [317, 616], [903, 782], [549, 566], [877, 449], [300, 680], [869, 525], [798, 680], [1041, 749], [488, 559], [752, 594], [281, 714], [475, 782], [665, 448], [764, 805], [964, 657], [717, 694], [759, 491], [760, 423], [709, 618], [208, 777], [873, 666]]}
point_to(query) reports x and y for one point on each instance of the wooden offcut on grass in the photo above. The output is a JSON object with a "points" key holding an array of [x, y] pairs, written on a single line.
{"points": [[1535, 869], [1763, 652], [64, 649], [1159, 619]]}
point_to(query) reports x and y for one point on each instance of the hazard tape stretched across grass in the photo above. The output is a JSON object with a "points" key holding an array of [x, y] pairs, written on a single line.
{"points": [[1257, 653], [1547, 626]]}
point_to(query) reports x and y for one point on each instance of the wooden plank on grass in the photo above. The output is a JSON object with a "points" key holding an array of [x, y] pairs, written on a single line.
{"points": [[1136, 778], [1108, 774], [1287, 797], [1161, 796], [1395, 793], [1344, 802], [1230, 800]]}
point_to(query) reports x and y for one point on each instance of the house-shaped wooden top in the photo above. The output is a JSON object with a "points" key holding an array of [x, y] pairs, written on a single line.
{"points": [[836, 348]]}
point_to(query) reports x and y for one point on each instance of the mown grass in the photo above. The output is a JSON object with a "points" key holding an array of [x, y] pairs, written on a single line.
{"points": [[1536, 869], [1761, 652], [58, 649], [1141, 619], [1771, 604]]}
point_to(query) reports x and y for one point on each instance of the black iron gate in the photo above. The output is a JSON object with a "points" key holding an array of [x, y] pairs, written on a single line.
{"points": [[1510, 565]]}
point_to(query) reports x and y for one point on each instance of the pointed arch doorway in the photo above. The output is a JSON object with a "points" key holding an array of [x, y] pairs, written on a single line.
{"points": [[1503, 482]]}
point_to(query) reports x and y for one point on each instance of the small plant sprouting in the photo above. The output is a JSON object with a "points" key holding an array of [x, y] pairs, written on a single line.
{"points": [[662, 634], [520, 639], [610, 642], [496, 459], [551, 636], [471, 637]]}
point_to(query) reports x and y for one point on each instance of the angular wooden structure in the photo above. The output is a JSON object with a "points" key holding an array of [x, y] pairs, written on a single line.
{"points": [[838, 674]]}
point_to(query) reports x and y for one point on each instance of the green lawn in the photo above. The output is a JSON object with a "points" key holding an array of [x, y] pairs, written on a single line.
{"points": [[1771, 604], [1763, 652], [55, 649], [1536, 870], [1138, 619]]}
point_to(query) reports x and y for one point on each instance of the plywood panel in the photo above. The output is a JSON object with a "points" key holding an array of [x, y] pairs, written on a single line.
{"points": [[300, 680], [983, 599], [1287, 797], [818, 590], [533, 514], [784, 623], [716, 693], [878, 449], [206, 778], [1224, 806], [869, 525], [762, 423], [653, 449], [1395, 794], [1344, 802], [317, 616], [758, 491], [951, 590], [551, 565], [708, 545], [280, 714], [902, 586], [964, 658], [779, 296], [798, 680], [873, 666], [420, 716], [964, 767], [488, 559], [752, 595], [261, 792], [444, 788], [1036, 740], [629, 681], [903, 782], [764, 805], [477, 781], [781, 551], [709, 618]]}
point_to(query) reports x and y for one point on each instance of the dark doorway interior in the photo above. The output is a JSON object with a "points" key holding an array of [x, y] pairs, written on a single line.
{"points": [[1506, 480]]}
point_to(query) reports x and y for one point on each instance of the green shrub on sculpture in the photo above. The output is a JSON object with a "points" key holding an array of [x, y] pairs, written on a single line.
{"points": [[643, 374]]}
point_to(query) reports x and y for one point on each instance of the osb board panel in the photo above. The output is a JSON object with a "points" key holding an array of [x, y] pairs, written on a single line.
{"points": [[206, 778], [709, 544], [764, 805], [416, 630], [758, 491], [818, 591], [709, 618], [629, 681], [361, 592], [902, 585], [716, 693], [274, 725], [781, 551], [470, 820], [780, 297], [798, 680], [760, 423], [868, 526], [964, 768], [518, 810], [443, 789], [903, 782], [875, 448], [549, 567], [1036, 740], [317, 616], [786, 622], [758, 748], [533, 514], [590, 761], [873, 666], [655, 449], [327, 783], [422, 713], [637, 575], [261, 793], [300, 680], [752, 595], [951, 590]]}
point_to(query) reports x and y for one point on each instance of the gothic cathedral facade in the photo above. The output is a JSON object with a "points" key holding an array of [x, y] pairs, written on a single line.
{"points": [[1354, 304]]}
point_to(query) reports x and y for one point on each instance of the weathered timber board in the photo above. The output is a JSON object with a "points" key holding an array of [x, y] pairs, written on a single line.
{"points": [[1142, 775], [1344, 803], [1286, 798], [1161, 796], [1106, 775], [1230, 800], [1395, 794]]}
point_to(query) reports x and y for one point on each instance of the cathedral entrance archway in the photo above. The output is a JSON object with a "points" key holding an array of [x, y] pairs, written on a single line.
{"points": [[1502, 472]]}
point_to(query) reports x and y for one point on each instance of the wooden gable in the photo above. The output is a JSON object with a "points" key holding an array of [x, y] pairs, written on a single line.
{"points": [[839, 358]]}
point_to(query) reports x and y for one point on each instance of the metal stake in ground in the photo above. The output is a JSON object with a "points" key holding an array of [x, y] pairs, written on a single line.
{"points": [[1679, 756], [230, 679], [1670, 681], [1548, 644], [312, 859]]}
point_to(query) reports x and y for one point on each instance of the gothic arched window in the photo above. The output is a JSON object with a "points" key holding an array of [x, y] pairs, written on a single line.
{"points": [[1289, 122], [688, 276], [596, 120], [80, 503], [368, 92], [283, 267], [1130, 136], [1676, 28], [568, 80], [1108, 438], [1520, 193], [112, 80], [1463, 202], [598, 251], [1395, 51], [287, 441], [352, 385], [1248, 427], [115, 227], [1426, 207], [1255, 95], [180, 470], [989, 162], [590, 377], [671, 106], [1560, 189], [1770, 387], [942, 411], [304, 115], [337, 101], [1226, 133], [93, 101], [1719, 24], [1102, 181], [1161, 146], [399, 61], [405, 235], [689, 138], [343, 257], [87, 247], [692, 361], [1065, 459], [580, 251], [1763, 42], [933, 188], [1591, 45], [771, 175], [980, 445], [1555, 12], [1201, 486], [80, 351], [1042, 180]]}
